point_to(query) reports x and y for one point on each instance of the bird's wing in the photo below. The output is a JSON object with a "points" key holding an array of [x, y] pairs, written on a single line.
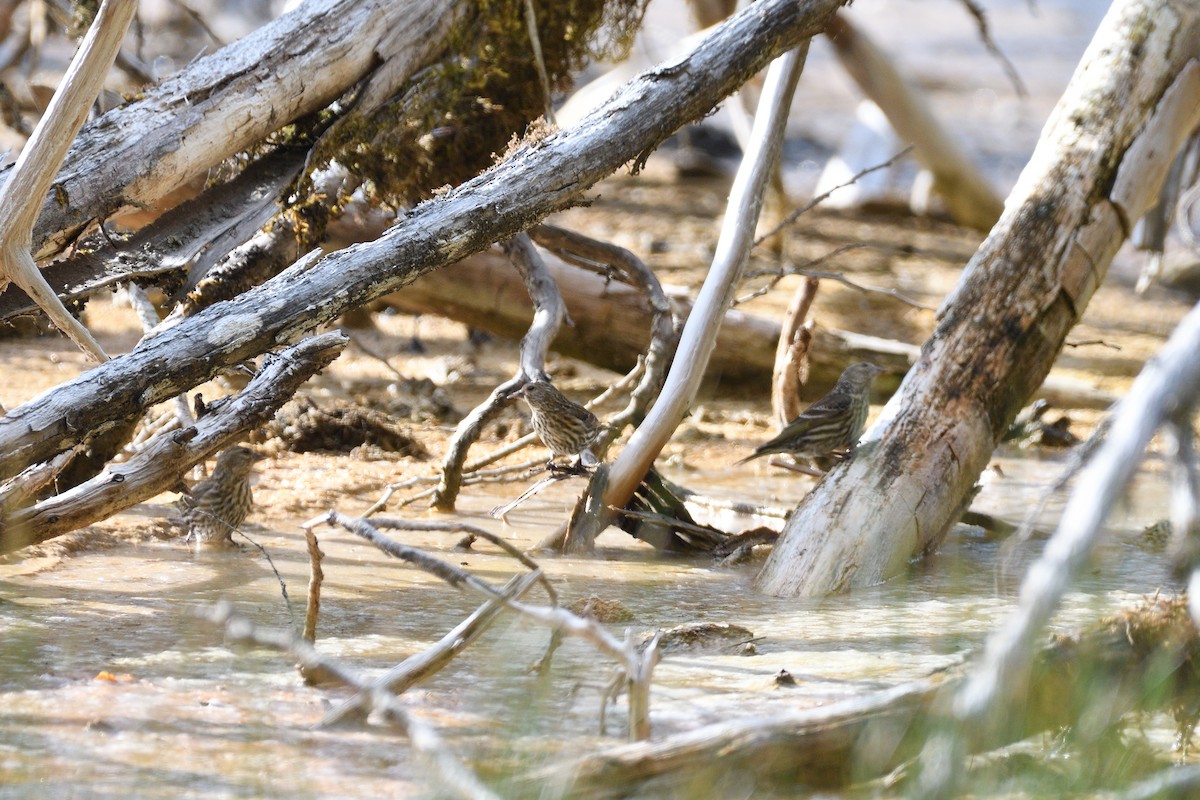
{"points": [[582, 414], [828, 407]]}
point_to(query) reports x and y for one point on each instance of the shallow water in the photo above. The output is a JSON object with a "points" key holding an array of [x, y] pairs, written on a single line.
{"points": [[187, 715]]}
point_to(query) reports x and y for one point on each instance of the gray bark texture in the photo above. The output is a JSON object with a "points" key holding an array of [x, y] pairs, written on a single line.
{"points": [[226, 102], [537, 179], [1133, 101]]}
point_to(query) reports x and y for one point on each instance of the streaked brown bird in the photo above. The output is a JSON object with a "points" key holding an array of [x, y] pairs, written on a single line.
{"points": [[566, 427], [833, 423], [217, 505]]}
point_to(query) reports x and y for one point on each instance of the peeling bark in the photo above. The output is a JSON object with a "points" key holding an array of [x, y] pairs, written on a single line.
{"points": [[134, 155]]}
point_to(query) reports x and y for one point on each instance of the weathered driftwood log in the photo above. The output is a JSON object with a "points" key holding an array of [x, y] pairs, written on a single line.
{"points": [[1165, 395], [1133, 101], [612, 326], [537, 179], [612, 323], [162, 463], [199, 230], [1101, 674], [135, 155]]}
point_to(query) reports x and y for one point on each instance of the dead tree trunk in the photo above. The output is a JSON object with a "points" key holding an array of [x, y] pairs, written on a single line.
{"points": [[1103, 154]]}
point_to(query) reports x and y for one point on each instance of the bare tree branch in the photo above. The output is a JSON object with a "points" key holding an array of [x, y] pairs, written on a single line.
{"points": [[161, 464], [534, 181]]}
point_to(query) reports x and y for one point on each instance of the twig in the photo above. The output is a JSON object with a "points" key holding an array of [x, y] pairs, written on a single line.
{"points": [[453, 775], [791, 354], [976, 11], [842, 279], [382, 359], [287, 601], [779, 274], [199, 20], [499, 475], [418, 668], [535, 44], [473, 530], [557, 618], [501, 512], [316, 576], [1090, 342], [795, 215]]}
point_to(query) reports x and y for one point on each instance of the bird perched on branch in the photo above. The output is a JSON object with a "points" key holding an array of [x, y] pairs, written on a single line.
{"points": [[567, 428], [833, 423], [214, 508]]}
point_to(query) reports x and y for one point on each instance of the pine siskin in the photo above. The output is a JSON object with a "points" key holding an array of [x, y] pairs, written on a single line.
{"points": [[831, 424], [567, 428], [217, 505]]}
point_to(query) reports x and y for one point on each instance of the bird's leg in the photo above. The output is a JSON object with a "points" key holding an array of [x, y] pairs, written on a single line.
{"points": [[573, 468]]}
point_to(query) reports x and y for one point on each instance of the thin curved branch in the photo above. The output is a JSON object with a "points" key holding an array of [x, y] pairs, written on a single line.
{"points": [[575, 248], [699, 333], [548, 314]]}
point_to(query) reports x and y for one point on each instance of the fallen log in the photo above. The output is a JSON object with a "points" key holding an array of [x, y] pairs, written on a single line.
{"points": [[135, 155], [538, 178], [612, 324], [160, 466]]}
